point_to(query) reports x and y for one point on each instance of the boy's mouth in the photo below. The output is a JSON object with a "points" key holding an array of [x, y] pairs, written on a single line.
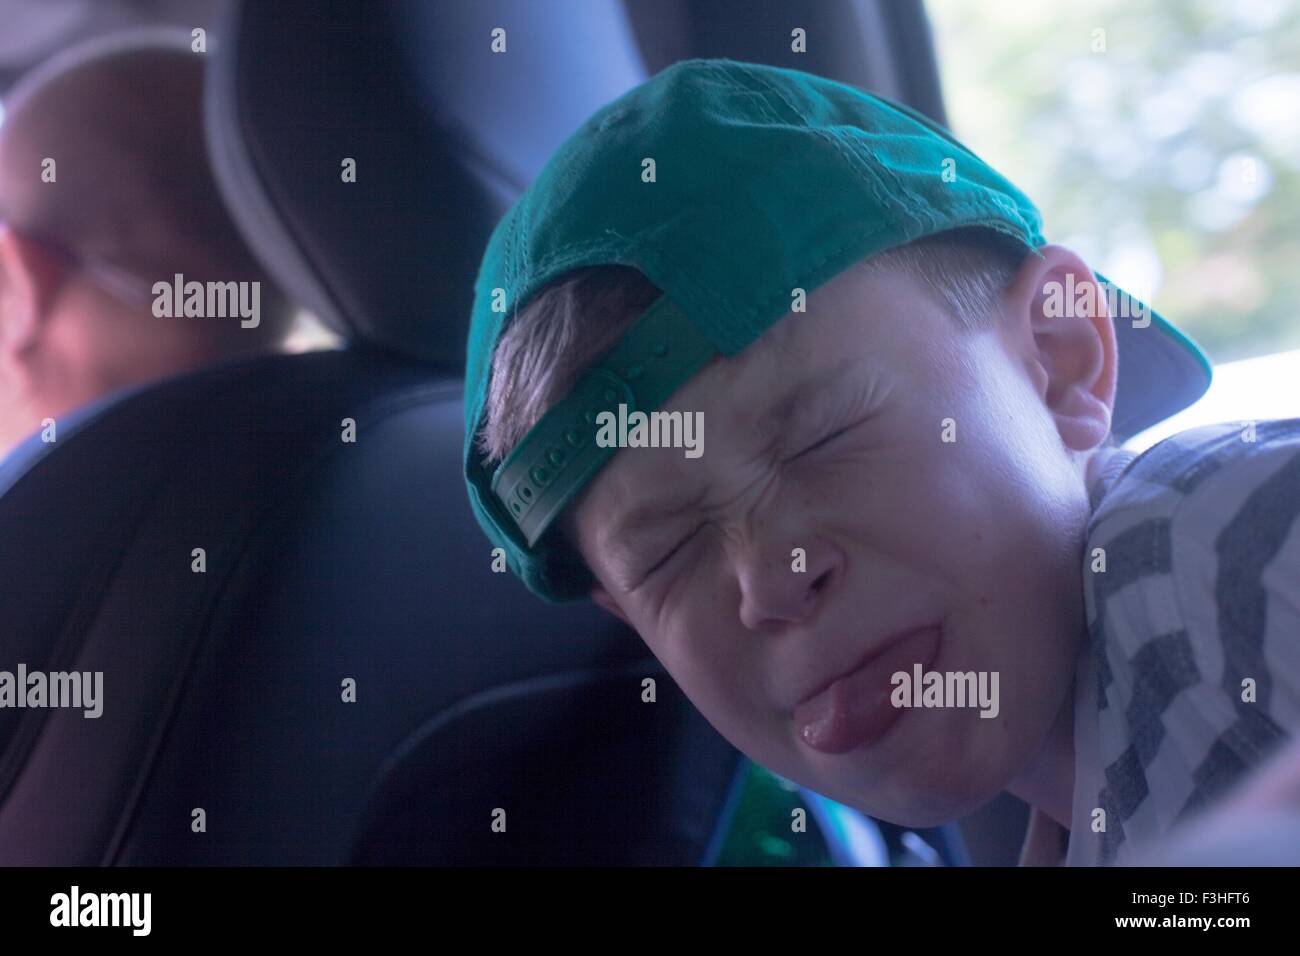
{"points": [[855, 710]]}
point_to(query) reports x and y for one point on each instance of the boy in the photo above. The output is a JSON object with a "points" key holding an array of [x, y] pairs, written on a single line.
{"points": [[908, 567]]}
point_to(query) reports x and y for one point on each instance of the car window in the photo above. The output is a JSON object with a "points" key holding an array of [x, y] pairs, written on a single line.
{"points": [[1173, 167]]}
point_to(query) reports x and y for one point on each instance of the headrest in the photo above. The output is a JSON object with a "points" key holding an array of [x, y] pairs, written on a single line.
{"points": [[444, 133]]}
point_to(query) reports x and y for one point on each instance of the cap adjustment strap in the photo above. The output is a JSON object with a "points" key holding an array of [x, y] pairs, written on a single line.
{"points": [[554, 461]]}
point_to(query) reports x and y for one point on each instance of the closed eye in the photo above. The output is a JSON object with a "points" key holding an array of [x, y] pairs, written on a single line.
{"points": [[667, 557], [841, 411], [824, 442]]}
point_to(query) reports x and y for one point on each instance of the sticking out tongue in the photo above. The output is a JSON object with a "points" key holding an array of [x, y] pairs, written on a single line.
{"points": [[855, 710]]}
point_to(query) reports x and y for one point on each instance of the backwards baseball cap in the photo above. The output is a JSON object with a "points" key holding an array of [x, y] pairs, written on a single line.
{"points": [[729, 185]]}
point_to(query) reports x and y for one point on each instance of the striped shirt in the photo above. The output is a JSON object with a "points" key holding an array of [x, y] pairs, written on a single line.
{"points": [[1191, 673]]}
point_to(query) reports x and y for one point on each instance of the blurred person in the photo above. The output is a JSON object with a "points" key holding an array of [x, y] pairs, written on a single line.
{"points": [[108, 209]]}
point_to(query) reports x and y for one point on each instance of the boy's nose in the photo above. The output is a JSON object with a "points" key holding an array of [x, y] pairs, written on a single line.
{"points": [[787, 587]]}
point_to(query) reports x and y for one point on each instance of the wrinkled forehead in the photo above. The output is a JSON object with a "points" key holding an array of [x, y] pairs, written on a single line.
{"points": [[850, 318], [733, 411], [848, 337]]}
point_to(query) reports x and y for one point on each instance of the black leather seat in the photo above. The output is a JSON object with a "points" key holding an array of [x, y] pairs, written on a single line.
{"points": [[325, 561]]}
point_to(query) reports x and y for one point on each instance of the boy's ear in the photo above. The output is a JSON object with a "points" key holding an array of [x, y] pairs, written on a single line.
{"points": [[1062, 326], [602, 597]]}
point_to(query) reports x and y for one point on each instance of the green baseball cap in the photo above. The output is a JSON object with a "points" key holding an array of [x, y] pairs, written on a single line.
{"points": [[729, 185]]}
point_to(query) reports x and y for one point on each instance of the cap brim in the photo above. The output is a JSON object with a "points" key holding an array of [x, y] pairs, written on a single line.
{"points": [[1161, 370]]}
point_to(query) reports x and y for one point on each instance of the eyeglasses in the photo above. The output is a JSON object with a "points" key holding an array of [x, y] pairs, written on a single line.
{"points": [[124, 285]]}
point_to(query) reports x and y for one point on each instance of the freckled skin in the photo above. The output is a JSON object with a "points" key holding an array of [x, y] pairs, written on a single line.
{"points": [[983, 534]]}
